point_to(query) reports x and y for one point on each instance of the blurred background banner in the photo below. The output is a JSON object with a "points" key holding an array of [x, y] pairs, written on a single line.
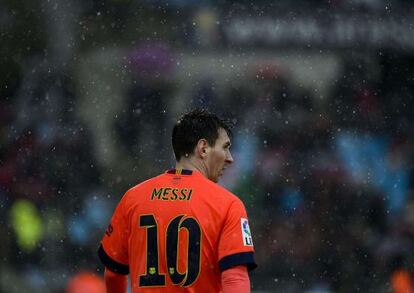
{"points": [[321, 92], [321, 29]]}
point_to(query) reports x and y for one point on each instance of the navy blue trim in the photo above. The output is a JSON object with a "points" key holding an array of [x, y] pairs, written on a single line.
{"points": [[244, 258], [183, 172], [111, 264]]}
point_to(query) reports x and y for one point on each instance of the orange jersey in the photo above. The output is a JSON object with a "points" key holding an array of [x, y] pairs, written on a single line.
{"points": [[176, 233]]}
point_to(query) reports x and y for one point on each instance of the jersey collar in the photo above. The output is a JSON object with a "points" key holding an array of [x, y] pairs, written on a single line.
{"points": [[180, 172]]}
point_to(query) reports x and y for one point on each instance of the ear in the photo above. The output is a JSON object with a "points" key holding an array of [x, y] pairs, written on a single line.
{"points": [[202, 148]]}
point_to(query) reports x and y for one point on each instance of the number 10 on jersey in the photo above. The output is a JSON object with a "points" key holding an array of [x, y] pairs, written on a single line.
{"points": [[152, 276]]}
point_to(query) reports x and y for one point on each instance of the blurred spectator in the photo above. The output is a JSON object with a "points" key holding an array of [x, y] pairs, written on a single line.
{"points": [[27, 225], [86, 282], [147, 99]]}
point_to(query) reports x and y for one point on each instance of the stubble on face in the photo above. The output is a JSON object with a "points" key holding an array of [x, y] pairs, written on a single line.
{"points": [[220, 156]]}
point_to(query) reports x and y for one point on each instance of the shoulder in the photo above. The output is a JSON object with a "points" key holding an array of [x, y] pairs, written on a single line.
{"points": [[221, 193], [137, 189]]}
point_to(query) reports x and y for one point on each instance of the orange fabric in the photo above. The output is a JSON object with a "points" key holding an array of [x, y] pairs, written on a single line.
{"points": [[85, 282], [235, 280], [115, 283], [401, 282], [192, 200]]}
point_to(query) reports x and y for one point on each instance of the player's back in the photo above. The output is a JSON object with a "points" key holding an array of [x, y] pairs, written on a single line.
{"points": [[177, 229]]}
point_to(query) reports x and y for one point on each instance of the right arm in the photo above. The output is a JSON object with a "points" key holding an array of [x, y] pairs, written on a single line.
{"points": [[115, 283], [113, 252]]}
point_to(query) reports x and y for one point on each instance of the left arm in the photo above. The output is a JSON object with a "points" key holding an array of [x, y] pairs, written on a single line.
{"points": [[235, 280]]}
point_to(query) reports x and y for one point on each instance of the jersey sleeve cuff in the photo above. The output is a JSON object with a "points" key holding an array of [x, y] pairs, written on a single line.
{"points": [[112, 264], [244, 258]]}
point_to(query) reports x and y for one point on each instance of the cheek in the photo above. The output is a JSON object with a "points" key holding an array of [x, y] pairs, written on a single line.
{"points": [[217, 160], [223, 156]]}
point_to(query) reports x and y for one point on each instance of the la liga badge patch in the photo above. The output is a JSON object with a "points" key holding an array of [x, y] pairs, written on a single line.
{"points": [[247, 235]]}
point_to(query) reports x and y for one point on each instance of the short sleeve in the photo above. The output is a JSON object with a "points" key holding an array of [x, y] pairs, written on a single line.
{"points": [[236, 242], [113, 251]]}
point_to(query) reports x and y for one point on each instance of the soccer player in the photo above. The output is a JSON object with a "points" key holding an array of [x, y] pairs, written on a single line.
{"points": [[181, 231]]}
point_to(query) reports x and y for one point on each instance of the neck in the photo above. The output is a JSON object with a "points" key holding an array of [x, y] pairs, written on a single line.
{"points": [[192, 164]]}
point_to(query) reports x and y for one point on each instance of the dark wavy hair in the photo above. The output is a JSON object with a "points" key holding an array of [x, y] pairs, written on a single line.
{"points": [[193, 126]]}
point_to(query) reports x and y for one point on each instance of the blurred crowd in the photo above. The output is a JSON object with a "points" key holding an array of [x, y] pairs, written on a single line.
{"points": [[330, 190], [53, 203], [328, 184]]}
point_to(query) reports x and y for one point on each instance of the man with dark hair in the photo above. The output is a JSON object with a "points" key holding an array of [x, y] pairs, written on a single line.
{"points": [[180, 231]]}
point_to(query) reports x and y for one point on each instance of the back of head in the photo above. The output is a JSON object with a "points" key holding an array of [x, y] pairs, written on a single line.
{"points": [[193, 126]]}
